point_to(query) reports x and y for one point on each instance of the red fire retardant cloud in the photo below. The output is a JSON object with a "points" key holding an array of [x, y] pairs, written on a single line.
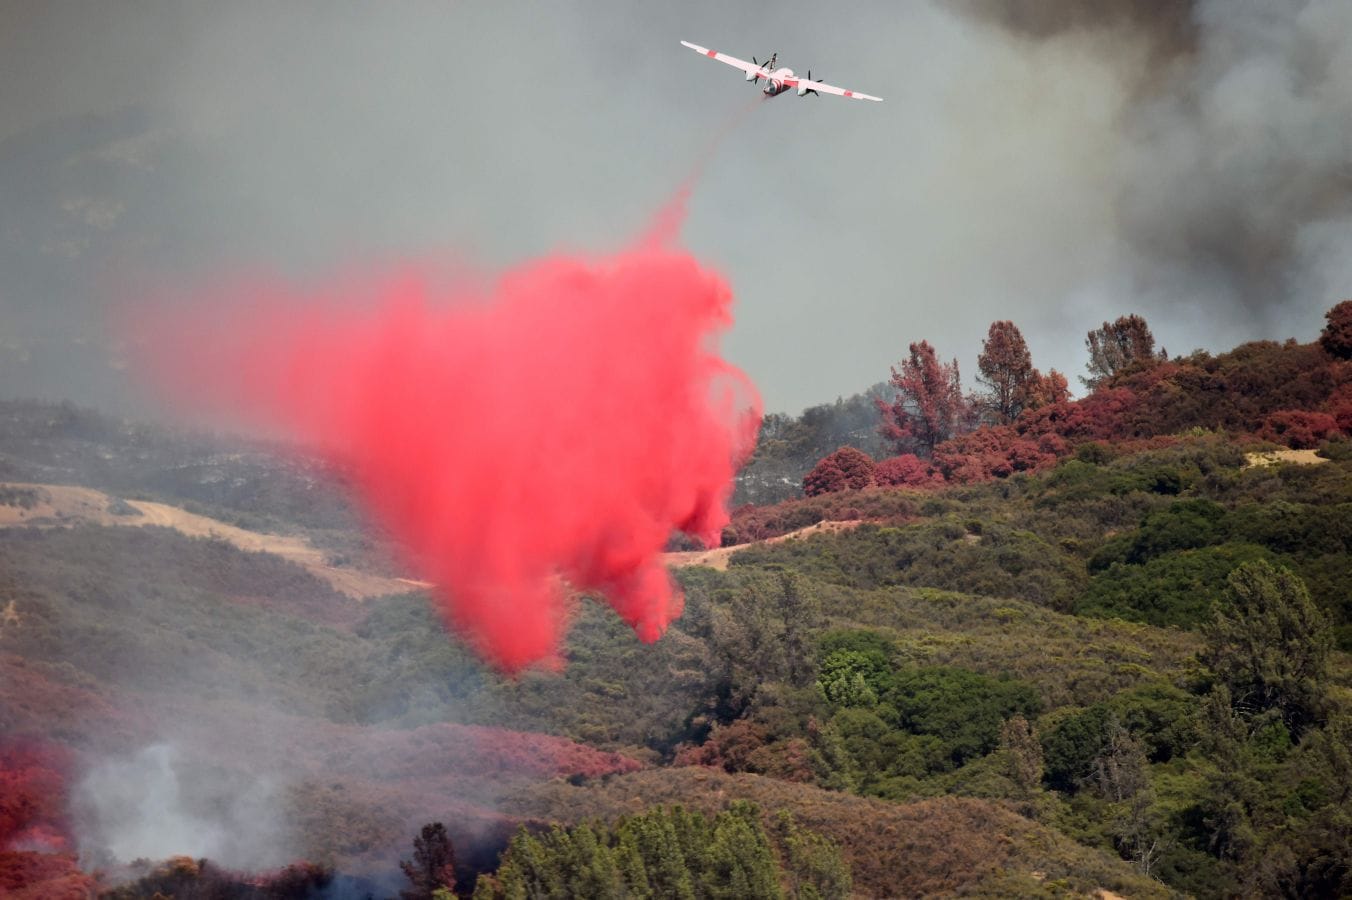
{"points": [[546, 433]]}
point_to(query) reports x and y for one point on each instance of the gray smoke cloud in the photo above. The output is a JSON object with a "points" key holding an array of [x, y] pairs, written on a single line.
{"points": [[160, 803], [1233, 182], [1243, 169]]}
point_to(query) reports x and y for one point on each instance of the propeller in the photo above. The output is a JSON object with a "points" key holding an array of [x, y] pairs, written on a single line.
{"points": [[810, 78]]}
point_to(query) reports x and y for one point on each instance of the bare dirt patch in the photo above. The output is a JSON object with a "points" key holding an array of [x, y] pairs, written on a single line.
{"points": [[1273, 457], [64, 505], [718, 557]]}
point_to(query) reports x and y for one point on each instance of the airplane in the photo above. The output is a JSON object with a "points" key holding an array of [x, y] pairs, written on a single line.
{"points": [[778, 80]]}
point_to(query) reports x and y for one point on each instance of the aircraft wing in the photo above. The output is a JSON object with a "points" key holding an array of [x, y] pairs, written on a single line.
{"points": [[747, 67], [825, 88]]}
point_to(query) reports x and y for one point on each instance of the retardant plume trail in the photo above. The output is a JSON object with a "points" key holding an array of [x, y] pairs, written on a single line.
{"points": [[561, 423]]}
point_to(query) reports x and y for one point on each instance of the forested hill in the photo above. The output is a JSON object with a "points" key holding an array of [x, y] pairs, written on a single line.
{"points": [[1053, 648], [1280, 393]]}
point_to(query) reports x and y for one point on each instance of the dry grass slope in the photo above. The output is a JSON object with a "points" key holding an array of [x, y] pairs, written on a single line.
{"points": [[59, 505]]}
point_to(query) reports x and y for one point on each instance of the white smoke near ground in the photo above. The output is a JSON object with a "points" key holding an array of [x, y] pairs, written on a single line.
{"points": [[160, 803]]}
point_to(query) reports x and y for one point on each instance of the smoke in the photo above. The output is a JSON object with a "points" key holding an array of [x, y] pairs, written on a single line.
{"points": [[558, 424], [157, 804], [1233, 184], [1167, 23]]}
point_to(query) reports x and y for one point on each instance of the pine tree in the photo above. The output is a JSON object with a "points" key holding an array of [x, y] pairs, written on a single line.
{"points": [[668, 874], [801, 614], [1269, 646], [930, 407], [668, 852], [743, 864], [1005, 367], [1117, 346], [1023, 753], [692, 832], [590, 865], [815, 867], [433, 863], [629, 859], [530, 870]]}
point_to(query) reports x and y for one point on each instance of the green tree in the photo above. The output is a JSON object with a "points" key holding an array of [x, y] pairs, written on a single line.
{"points": [[1072, 745], [590, 864], [815, 867], [665, 853], [764, 636], [629, 858], [962, 708], [742, 863], [853, 677], [1269, 646], [668, 874]]}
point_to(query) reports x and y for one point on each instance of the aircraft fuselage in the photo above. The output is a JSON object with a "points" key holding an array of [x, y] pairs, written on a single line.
{"points": [[775, 83]]}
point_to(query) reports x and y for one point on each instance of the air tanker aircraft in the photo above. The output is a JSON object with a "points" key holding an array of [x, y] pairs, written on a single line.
{"points": [[778, 80]]}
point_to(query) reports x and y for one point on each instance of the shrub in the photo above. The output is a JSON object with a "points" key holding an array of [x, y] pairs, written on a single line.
{"points": [[1298, 429], [1069, 747], [1175, 589], [1184, 525], [907, 470], [854, 677], [996, 453], [964, 709], [845, 469]]}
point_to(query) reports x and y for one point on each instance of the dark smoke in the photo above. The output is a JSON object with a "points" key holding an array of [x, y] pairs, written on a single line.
{"points": [[1235, 177], [1168, 23]]}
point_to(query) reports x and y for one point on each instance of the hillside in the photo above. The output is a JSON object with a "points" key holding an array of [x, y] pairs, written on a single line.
{"points": [[51, 505], [1118, 667], [942, 847]]}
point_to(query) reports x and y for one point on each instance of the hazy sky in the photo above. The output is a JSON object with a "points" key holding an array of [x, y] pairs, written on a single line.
{"points": [[1040, 163]]}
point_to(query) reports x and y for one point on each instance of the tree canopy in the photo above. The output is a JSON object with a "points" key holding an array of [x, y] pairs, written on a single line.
{"points": [[930, 407]]}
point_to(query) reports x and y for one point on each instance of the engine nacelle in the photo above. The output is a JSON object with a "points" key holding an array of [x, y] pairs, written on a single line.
{"points": [[802, 89], [751, 76]]}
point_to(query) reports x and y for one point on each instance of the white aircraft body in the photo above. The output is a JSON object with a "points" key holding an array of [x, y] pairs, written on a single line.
{"points": [[778, 79]]}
